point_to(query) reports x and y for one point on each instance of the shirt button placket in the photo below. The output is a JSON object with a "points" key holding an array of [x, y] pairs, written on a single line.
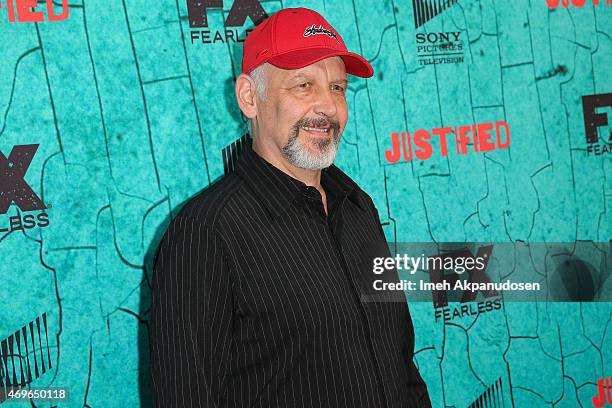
{"points": [[360, 306]]}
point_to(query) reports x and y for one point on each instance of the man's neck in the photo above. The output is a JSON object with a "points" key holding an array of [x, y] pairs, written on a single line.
{"points": [[272, 156], [309, 177]]}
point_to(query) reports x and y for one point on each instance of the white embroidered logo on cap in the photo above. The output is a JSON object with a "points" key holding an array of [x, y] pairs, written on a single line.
{"points": [[312, 30]]}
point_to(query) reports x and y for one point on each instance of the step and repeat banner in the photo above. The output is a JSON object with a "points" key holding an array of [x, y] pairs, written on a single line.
{"points": [[486, 121]]}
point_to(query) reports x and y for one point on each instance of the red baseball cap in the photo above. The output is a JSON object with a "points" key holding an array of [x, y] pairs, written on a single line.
{"points": [[293, 38]]}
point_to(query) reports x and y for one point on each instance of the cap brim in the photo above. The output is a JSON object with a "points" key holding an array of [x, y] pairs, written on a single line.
{"points": [[355, 64]]}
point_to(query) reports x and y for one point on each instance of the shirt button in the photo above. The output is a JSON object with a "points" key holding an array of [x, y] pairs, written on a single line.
{"points": [[312, 193]]}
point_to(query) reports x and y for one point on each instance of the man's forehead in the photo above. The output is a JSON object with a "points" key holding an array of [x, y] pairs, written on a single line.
{"points": [[333, 67]]}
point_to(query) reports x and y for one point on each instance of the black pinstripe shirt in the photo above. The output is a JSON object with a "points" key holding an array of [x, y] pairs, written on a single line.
{"points": [[257, 300]]}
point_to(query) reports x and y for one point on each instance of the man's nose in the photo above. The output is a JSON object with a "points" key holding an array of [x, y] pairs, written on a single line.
{"points": [[325, 104]]}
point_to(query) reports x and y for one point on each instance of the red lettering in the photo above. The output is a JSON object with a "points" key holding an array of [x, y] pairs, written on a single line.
{"points": [[25, 15], [420, 140], [484, 136], [604, 386], [393, 155], [11, 10], [565, 3], [23, 11], [455, 131], [464, 139], [498, 125], [406, 141], [441, 133], [479, 135], [475, 138], [54, 17]]}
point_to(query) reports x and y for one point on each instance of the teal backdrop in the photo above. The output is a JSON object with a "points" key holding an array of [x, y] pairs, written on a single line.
{"points": [[131, 116]]}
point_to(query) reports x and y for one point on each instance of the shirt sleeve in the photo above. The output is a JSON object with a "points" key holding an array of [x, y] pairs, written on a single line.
{"points": [[191, 315]]}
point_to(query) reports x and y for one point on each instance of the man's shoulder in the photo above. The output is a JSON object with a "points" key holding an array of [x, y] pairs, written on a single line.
{"points": [[207, 206]]}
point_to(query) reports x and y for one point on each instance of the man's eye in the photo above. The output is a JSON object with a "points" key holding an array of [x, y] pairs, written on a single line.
{"points": [[339, 88], [304, 85]]}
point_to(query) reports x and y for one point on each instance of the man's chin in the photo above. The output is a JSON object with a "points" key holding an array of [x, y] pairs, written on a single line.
{"points": [[317, 148], [323, 157]]}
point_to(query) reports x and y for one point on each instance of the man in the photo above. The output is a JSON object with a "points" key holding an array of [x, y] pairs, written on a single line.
{"points": [[257, 293]]}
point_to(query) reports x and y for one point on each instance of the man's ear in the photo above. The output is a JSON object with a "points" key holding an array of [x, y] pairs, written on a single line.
{"points": [[245, 95]]}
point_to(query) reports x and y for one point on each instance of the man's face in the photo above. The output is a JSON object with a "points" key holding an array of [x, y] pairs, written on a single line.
{"points": [[305, 112]]}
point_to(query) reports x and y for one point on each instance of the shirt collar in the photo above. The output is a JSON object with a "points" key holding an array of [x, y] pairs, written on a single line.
{"points": [[278, 190]]}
